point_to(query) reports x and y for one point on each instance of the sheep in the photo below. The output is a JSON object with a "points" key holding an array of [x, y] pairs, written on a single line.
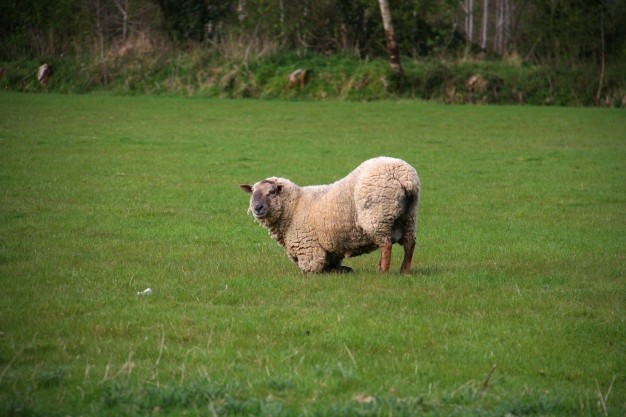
{"points": [[373, 207]]}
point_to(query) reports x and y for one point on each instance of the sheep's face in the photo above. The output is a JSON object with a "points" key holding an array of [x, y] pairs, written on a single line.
{"points": [[264, 202]]}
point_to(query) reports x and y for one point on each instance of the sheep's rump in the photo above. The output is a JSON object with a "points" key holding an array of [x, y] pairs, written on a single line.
{"points": [[386, 194]]}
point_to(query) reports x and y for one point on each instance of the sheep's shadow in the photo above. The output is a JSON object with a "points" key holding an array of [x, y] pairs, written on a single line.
{"points": [[427, 270], [424, 271]]}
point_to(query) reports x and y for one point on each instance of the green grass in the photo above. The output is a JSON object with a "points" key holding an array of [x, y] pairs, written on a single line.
{"points": [[520, 262]]}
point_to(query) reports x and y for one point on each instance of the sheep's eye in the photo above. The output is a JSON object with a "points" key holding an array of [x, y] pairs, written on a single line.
{"points": [[272, 192]]}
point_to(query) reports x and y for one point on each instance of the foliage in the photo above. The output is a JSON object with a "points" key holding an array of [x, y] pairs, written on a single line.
{"points": [[260, 72], [561, 32], [193, 19], [519, 262], [32, 28], [572, 32]]}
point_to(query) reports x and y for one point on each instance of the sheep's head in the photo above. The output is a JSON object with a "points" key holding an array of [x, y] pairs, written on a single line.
{"points": [[265, 202]]}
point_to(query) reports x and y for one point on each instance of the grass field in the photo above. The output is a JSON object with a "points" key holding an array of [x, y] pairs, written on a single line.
{"points": [[515, 307]]}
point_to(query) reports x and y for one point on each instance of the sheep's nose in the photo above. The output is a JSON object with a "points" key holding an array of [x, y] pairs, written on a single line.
{"points": [[259, 210]]}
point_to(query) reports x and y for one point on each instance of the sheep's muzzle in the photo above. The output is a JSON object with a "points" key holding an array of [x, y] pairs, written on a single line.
{"points": [[259, 210]]}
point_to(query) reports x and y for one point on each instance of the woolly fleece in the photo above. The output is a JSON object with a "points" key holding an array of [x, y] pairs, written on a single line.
{"points": [[372, 207]]}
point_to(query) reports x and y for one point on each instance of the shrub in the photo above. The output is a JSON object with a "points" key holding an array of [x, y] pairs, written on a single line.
{"points": [[137, 68]]}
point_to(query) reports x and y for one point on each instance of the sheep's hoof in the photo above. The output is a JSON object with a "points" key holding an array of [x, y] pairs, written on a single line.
{"points": [[343, 270]]}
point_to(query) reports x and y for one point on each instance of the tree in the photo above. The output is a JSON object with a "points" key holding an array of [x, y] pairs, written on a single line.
{"points": [[469, 20], [392, 48], [485, 22], [504, 18], [185, 19]]}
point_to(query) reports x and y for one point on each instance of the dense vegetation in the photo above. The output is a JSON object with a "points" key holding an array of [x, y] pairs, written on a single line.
{"points": [[345, 77], [526, 51]]}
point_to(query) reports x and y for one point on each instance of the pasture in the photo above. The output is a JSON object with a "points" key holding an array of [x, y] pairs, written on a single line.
{"points": [[515, 306]]}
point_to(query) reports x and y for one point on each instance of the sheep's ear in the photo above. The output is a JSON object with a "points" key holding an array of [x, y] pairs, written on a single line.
{"points": [[278, 183], [245, 187]]}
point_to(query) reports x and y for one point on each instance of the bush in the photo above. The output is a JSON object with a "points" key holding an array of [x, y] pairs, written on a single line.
{"points": [[139, 69]]}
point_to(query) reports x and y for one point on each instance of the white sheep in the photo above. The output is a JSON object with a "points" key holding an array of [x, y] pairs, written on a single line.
{"points": [[373, 207]]}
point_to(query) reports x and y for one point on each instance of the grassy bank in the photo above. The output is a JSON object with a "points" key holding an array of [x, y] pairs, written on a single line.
{"points": [[515, 306], [199, 73]]}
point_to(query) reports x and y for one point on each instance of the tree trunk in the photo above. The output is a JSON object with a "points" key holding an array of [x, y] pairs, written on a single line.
{"points": [[281, 6], [498, 39], [602, 59], [469, 21], [124, 11], [241, 10], [485, 13], [507, 18], [392, 48], [504, 20]]}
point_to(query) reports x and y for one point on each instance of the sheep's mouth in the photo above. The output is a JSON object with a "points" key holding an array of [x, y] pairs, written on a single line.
{"points": [[259, 214]]}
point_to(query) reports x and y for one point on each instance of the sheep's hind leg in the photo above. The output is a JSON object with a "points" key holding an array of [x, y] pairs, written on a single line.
{"points": [[409, 247], [385, 258]]}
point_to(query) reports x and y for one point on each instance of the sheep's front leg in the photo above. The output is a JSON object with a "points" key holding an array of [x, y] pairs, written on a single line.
{"points": [[312, 261], [409, 247], [385, 258]]}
